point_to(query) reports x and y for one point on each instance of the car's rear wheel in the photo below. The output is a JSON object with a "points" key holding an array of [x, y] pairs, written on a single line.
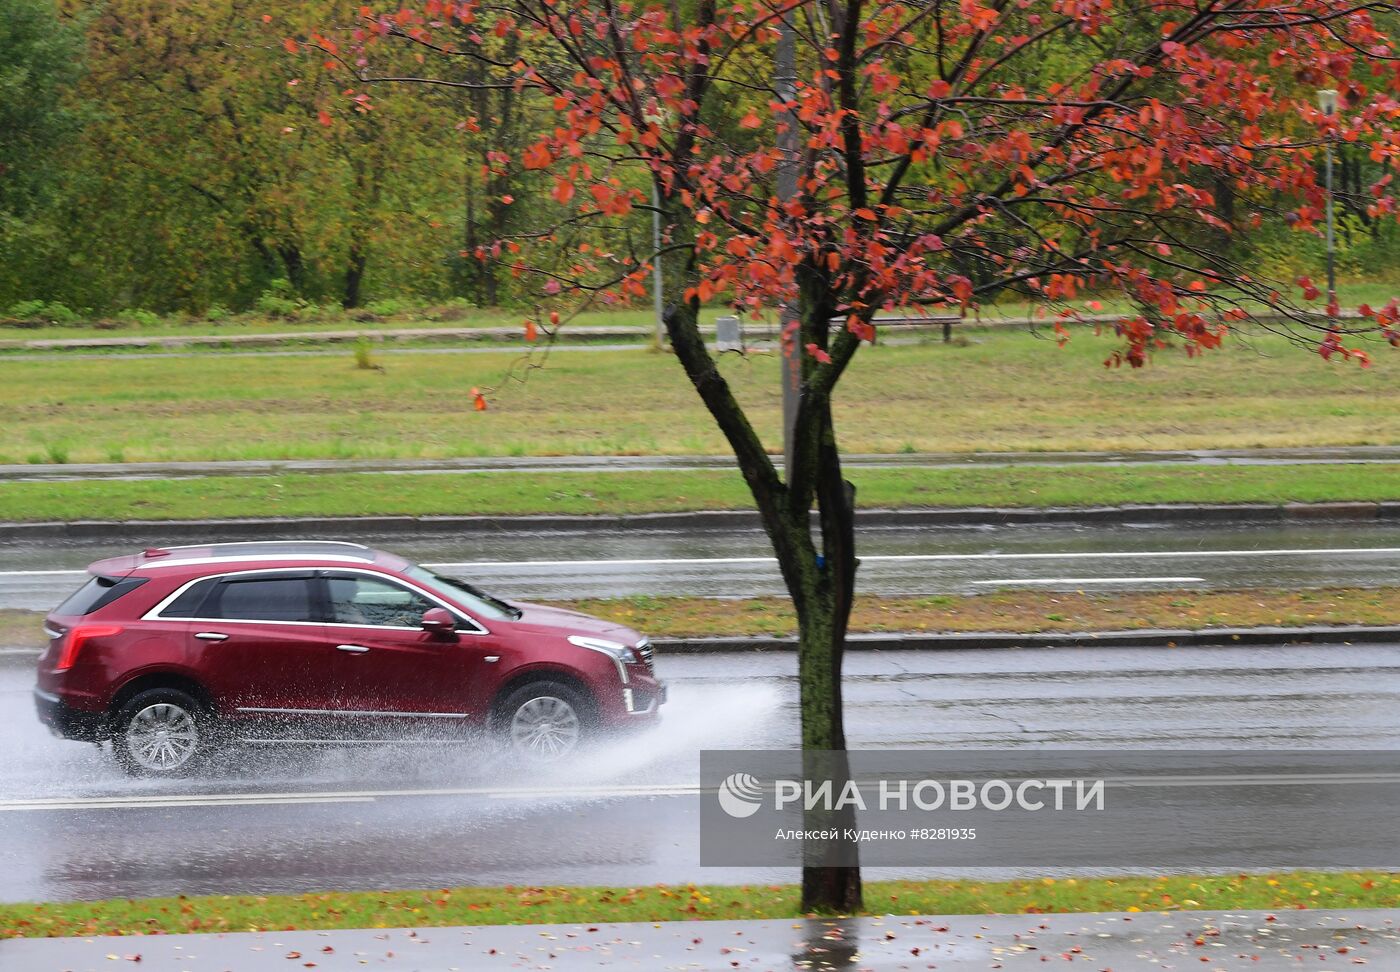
{"points": [[161, 732], [544, 721]]}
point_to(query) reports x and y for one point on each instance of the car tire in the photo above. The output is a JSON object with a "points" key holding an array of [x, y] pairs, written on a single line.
{"points": [[544, 721], [162, 732]]}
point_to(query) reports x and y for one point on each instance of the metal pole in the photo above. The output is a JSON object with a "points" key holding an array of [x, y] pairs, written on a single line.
{"points": [[656, 280], [1331, 245], [785, 86], [1327, 101]]}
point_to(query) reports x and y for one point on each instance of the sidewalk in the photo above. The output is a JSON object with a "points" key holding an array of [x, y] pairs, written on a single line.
{"points": [[507, 334], [753, 331], [1169, 638], [1210, 940]]}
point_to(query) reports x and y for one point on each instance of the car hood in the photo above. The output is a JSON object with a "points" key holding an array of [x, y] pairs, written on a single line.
{"points": [[573, 622]]}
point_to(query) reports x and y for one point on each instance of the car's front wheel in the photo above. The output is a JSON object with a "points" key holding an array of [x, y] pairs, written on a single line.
{"points": [[543, 721], [160, 732]]}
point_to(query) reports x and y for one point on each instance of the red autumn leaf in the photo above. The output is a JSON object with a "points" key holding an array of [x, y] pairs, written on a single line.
{"points": [[751, 120], [324, 117], [478, 400], [290, 46], [531, 331], [818, 353], [537, 156]]}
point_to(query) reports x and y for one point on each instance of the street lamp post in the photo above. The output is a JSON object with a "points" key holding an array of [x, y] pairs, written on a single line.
{"points": [[1327, 101], [785, 87], [657, 284], [658, 289]]}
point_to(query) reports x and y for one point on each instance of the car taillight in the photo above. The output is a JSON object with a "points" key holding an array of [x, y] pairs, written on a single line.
{"points": [[73, 643]]}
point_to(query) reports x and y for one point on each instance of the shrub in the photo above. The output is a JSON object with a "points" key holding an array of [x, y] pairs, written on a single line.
{"points": [[279, 300], [138, 318], [451, 310], [27, 310], [387, 307], [61, 314], [44, 312], [364, 355]]}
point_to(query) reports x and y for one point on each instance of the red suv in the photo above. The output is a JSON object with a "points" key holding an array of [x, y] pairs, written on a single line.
{"points": [[171, 651]]}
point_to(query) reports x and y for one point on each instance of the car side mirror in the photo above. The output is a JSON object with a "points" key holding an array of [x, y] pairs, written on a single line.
{"points": [[438, 621]]}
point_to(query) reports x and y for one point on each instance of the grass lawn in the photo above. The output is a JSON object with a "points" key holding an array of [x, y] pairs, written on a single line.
{"points": [[998, 390], [1019, 611], [522, 906], [511, 493]]}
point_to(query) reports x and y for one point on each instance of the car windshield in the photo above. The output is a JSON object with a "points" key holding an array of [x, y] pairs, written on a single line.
{"points": [[473, 598]]}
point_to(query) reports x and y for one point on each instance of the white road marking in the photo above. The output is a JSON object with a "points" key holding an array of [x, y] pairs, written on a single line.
{"points": [[1093, 580], [914, 558], [165, 804], [158, 802], [41, 573]]}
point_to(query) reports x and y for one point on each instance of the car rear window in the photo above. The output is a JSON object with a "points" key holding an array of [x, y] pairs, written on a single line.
{"points": [[98, 593]]}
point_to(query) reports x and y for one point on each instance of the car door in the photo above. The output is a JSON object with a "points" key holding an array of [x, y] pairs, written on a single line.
{"points": [[262, 644], [388, 665]]}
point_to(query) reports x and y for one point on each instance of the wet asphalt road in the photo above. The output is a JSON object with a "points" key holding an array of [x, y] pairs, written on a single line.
{"points": [[71, 826], [896, 560]]}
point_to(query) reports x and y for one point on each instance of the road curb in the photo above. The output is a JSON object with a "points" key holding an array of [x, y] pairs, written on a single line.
{"points": [[1169, 638], [981, 641], [154, 532]]}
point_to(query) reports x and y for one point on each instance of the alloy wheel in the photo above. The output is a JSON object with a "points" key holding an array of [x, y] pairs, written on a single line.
{"points": [[161, 737], [545, 727]]}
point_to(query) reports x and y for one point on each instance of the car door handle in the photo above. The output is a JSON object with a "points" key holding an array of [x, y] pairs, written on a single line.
{"points": [[352, 649], [211, 636]]}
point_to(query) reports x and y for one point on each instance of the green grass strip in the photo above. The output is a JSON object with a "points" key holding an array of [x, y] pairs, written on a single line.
{"points": [[521, 906], [364, 494]]}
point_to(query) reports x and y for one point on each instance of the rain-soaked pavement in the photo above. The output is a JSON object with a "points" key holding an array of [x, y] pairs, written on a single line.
{"points": [[894, 560], [1259, 941], [626, 812]]}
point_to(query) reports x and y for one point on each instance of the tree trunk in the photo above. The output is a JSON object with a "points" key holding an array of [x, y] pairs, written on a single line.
{"points": [[354, 276], [831, 883], [819, 578], [295, 266]]}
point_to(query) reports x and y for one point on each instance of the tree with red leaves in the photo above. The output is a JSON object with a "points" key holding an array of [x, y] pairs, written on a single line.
{"points": [[942, 151]]}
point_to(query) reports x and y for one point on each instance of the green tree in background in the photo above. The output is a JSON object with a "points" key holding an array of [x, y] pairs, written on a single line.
{"points": [[39, 61]]}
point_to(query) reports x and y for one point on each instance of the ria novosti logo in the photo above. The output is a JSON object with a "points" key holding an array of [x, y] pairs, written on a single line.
{"points": [[740, 795]]}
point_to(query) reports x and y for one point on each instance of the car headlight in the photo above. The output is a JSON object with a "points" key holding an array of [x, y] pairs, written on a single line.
{"points": [[622, 654]]}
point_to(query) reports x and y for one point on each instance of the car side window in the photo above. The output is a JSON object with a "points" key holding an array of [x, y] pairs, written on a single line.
{"points": [[358, 599], [262, 599]]}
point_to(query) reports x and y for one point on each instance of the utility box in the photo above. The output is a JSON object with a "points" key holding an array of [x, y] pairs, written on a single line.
{"points": [[728, 335]]}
